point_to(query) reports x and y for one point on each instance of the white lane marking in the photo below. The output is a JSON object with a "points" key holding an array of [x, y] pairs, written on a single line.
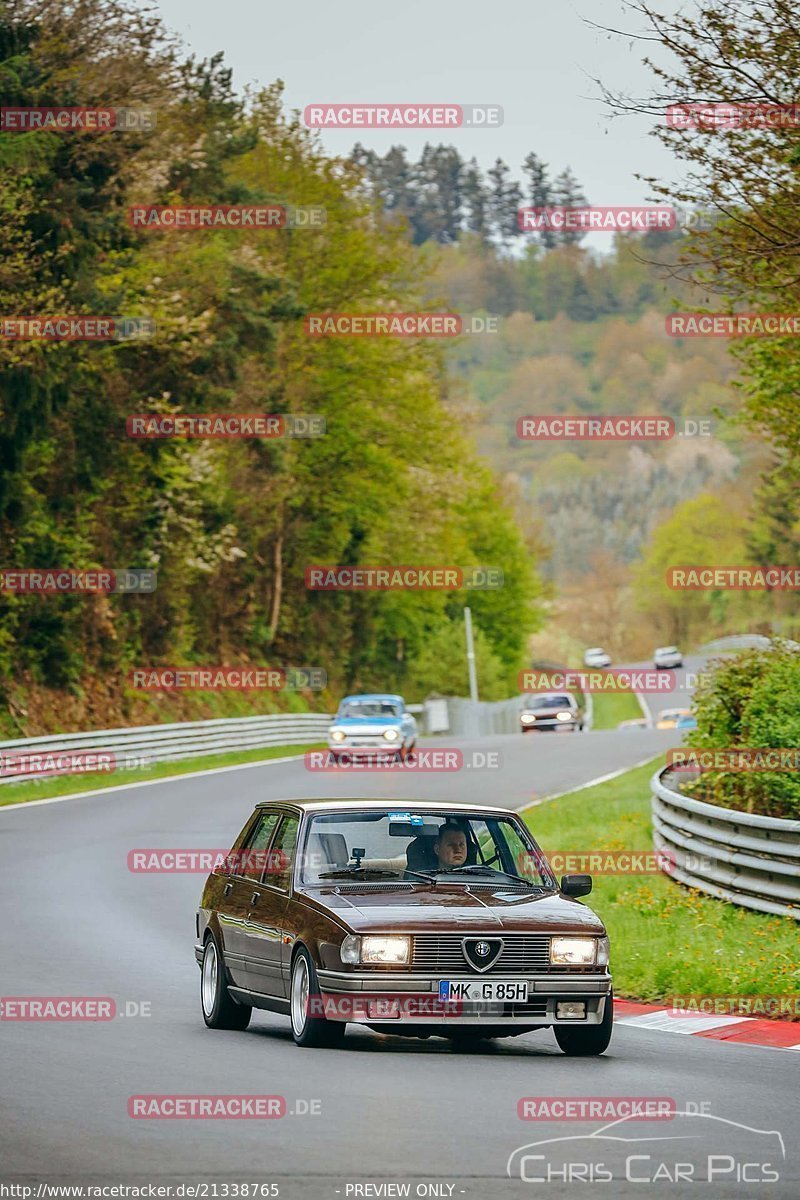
{"points": [[665, 1022], [592, 782], [126, 787]]}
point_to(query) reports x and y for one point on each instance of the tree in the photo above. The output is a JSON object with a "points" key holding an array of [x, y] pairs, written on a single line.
{"points": [[703, 531], [539, 193], [567, 194], [476, 200], [505, 200]]}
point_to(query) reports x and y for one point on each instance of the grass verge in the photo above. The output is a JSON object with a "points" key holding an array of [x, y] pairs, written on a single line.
{"points": [[612, 707], [665, 939], [63, 785]]}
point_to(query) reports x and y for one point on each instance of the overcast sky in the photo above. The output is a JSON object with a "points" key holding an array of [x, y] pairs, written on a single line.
{"points": [[535, 58]]}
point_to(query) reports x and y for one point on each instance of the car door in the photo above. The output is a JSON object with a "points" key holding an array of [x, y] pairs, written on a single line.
{"points": [[266, 916], [235, 906]]}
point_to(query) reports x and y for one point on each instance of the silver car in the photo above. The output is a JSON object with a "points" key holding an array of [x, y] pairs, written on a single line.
{"points": [[666, 657]]}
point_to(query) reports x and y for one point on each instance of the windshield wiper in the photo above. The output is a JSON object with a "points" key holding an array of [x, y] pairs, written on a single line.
{"points": [[483, 870], [344, 873]]}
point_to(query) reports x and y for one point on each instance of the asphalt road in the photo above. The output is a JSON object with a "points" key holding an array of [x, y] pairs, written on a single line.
{"points": [[685, 678], [391, 1111]]}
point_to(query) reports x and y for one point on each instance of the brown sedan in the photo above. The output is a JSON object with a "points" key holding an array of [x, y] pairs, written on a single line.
{"points": [[422, 919]]}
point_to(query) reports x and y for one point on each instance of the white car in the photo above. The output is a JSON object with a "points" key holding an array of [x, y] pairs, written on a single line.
{"points": [[666, 657], [596, 657]]}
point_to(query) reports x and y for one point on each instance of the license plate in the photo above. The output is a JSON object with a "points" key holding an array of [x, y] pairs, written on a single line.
{"points": [[479, 989]]}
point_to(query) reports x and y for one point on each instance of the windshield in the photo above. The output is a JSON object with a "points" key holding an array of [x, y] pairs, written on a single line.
{"points": [[550, 702], [370, 708], [398, 845]]}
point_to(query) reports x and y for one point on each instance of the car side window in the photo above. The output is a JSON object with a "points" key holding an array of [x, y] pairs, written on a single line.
{"points": [[254, 852], [278, 871]]}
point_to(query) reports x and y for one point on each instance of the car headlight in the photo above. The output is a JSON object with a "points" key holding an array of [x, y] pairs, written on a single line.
{"points": [[563, 716], [528, 718], [573, 951], [391, 735], [337, 735], [373, 949]]}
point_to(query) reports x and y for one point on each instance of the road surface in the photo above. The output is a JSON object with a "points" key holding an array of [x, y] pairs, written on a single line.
{"points": [[391, 1110]]}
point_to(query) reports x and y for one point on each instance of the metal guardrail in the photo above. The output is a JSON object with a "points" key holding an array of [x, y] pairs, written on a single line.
{"points": [[143, 744], [744, 858], [459, 717]]}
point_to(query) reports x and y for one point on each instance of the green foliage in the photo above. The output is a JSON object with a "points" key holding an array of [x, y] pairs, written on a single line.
{"points": [[442, 197], [441, 666], [229, 526], [666, 939], [750, 700], [700, 532]]}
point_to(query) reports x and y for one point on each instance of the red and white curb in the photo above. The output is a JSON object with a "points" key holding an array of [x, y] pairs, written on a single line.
{"points": [[779, 1035]]}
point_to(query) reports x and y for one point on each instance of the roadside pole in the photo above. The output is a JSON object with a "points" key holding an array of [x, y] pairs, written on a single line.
{"points": [[473, 677]]}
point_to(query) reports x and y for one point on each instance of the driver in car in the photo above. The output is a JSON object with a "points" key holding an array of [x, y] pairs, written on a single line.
{"points": [[451, 847]]}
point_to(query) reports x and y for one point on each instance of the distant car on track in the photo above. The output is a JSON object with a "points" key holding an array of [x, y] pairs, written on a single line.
{"points": [[687, 721], [425, 918], [666, 657], [668, 717], [372, 724], [551, 710], [596, 656]]}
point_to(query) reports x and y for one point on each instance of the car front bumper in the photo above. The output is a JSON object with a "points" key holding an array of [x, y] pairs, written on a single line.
{"points": [[379, 748], [359, 998]]}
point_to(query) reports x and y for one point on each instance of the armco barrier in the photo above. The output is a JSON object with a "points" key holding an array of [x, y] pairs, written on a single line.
{"points": [[167, 743], [482, 718], [741, 857]]}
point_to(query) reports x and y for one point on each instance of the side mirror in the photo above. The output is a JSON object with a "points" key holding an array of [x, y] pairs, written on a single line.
{"points": [[576, 885]]}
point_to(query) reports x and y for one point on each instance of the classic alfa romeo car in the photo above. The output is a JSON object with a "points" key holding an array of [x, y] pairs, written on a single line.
{"points": [[372, 725], [431, 919]]}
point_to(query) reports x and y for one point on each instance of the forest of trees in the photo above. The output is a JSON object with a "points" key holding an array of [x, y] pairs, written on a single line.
{"points": [[398, 478], [229, 525], [442, 196]]}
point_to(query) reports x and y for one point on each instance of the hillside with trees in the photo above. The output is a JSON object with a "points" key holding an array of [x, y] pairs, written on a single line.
{"points": [[229, 526]]}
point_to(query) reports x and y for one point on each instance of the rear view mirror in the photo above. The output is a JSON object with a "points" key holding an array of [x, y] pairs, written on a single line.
{"points": [[576, 885], [410, 829]]}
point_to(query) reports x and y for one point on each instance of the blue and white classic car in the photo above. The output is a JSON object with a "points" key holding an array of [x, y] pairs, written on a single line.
{"points": [[372, 724]]}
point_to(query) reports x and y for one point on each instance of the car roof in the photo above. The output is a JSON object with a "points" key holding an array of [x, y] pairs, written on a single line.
{"points": [[549, 696], [373, 696], [355, 802]]}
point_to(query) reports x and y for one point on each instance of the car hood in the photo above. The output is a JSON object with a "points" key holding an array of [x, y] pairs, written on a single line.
{"points": [[366, 724], [446, 909], [547, 711]]}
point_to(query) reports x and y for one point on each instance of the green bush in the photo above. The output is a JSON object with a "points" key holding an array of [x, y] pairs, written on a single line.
{"points": [[751, 700]]}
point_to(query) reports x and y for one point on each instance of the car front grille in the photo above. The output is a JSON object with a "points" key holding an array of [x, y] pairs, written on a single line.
{"points": [[442, 952]]}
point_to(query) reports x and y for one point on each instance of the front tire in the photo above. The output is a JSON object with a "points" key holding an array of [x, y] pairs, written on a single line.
{"points": [[592, 1039], [308, 1030], [220, 1010]]}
